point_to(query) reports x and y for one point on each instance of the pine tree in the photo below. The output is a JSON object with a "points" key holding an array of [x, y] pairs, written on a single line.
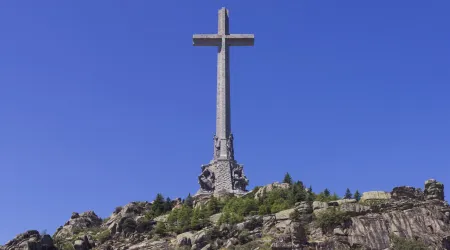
{"points": [[189, 201], [158, 205], [348, 194], [326, 192], [213, 206], [287, 179], [184, 219], [167, 205], [357, 195], [198, 219], [195, 220], [310, 196], [334, 197]]}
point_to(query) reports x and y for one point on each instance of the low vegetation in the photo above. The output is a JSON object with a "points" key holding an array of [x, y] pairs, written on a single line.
{"points": [[331, 218], [399, 243]]}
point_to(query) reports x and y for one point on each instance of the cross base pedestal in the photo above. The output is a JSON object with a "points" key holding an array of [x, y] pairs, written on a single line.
{"points": [[222, 176]]}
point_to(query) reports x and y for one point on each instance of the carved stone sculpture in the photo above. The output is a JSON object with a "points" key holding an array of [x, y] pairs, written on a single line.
{"points": [[240, 181], [230, 147], [206, 179], [216, 147]]}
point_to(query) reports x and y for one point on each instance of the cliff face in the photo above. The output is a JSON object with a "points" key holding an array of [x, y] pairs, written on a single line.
{"points": [[378, 221]]}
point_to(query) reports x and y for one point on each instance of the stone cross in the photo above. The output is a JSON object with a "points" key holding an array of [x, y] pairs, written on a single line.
{"points": [[223, 40], [223, 173]]}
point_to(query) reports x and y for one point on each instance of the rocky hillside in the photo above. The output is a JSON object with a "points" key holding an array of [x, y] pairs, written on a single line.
{"points": [[277, 216]]}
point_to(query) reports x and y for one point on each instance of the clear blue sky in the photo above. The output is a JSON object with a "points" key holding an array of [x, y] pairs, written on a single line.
{"points": [[107, 102]]}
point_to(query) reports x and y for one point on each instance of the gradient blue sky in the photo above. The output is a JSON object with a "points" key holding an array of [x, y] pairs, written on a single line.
{"points": [[107, 102]]}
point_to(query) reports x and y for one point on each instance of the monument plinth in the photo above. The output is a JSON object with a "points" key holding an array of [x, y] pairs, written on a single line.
{"points": [[223, 173]]}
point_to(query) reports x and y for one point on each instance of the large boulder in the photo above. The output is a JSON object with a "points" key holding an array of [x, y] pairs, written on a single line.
{"points": [[354, 209], [30, 240], [130, 218], [405, 192], [304, 207], [82, 244], [269, 188], [434, 190], [346, 201], [375, 196], [78, 223], [284, 215], [184, 239], [319, 205], [294, 237]]}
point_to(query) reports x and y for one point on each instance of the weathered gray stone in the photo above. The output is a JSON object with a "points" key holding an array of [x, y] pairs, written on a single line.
{"points": [[78, 222], [405, 192], [319, 205], [268, 188], [223, 173], [344, 201], [231, 242], [284, 215], [304, 207], [375, 195], [434, 190], [184, 239], [282, 224], [30, 240], [354, 208]]}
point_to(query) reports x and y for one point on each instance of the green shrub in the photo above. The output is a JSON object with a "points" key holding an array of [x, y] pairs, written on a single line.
{"points": [[66, 246], [160, 229], [185, 218], [264, 209], [399, 243], [325, 196], [330, 218], [103, 236], [228, 217]]}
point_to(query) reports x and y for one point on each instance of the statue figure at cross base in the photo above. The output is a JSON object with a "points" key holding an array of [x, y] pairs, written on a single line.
{"points": [[223, 174]]}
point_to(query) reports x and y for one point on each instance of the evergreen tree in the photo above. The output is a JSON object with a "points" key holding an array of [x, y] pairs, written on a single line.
{"points": [[180, 219], [199, 219], [334, 197], [357, 195], [297, 193], [213, 206], [158, 205], [189, 201], [287, 179], [326, 192], [167, 205], [348, 194], [310, 196]]}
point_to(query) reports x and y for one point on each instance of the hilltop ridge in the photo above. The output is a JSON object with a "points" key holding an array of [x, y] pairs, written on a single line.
{"points": [[276, 216]]}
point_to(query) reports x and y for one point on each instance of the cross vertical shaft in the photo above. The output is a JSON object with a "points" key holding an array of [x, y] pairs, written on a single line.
{"points": [[223, 119]]}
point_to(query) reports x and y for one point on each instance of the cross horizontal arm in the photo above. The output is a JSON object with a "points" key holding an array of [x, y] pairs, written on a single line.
{"points": [[240, 39], [207, 40], [216, 40]]}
